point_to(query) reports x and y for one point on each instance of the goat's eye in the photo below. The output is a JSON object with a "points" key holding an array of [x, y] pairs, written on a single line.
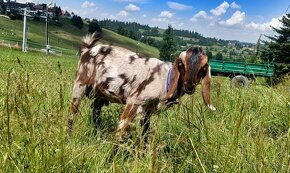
{"points": [[202, 71]]}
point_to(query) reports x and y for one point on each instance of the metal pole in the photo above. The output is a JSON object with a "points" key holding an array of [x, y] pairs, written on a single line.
{"points": [[24, 40], [46, 31]]}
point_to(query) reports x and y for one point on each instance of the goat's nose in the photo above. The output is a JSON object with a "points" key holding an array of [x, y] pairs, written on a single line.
{"points": [[189, 86]]}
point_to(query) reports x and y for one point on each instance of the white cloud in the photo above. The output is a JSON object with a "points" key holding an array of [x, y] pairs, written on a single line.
{"points": [[160, 19], [89, 12], [200, 15], [74, 10], [164, 22], [221, 9], [264, 26], [108, 16], [24, 1], [132, 7], [179, 25], [87, 4], [166, 14], [88, 9], [237, 18], [144, 15], [123, 13], [178, 6], [257, 26], [65, 8], [34, 1], [135, 1], [234, 5]]}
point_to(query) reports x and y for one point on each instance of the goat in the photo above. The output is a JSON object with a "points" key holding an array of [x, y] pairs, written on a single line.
{"points": [[115, 74]]}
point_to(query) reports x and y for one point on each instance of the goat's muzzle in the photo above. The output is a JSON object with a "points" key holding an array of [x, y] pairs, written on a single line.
{"points": [[189, 87]]}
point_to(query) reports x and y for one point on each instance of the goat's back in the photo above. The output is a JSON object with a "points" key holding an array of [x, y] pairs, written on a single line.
{"points": [[120, 74]]}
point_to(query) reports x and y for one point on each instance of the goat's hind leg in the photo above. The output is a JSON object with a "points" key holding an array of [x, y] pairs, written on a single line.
{"points": [[97, 105], [126, 118], [79, 90]]}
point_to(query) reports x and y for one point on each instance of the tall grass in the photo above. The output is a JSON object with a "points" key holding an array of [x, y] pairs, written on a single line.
{"points": [[249, 132]]}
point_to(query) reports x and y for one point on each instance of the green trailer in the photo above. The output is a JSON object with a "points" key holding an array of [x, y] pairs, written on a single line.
{"points": [[241, 72]]}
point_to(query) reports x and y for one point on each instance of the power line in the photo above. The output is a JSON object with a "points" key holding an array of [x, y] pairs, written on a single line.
{"points": [[287, 9]]}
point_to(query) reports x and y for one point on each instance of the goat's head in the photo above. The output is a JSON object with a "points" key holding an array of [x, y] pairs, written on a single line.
{"points": [[191, 66], [196, 65]]}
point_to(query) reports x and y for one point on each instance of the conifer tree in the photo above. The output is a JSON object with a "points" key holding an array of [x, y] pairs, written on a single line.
{"points": [[94, 26], [167, 46], [219, 56], [77, 21], [278, 49], [2, 7]]}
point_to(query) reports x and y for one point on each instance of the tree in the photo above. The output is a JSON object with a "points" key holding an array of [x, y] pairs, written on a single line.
{"points": [[2, 7], [219, 56], [132, 34], [94, 26], [135, 35], [278, 49], [209, 55], [258, 44], [58, 12], [122, 31], [55, 18], [14, 15], [168, 45], [37, 16], [77, 21], [67, 14]]}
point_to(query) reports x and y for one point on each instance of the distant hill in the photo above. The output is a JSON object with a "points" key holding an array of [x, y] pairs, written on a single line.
{"points": [[65, 38], [184, 38]]}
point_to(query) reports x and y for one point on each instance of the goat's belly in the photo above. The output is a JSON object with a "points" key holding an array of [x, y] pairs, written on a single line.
{"points": [[113, 97], [110, 96], [113, 91]]}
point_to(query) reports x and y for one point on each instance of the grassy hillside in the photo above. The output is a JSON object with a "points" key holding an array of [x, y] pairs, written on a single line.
{"points": [[249, 132], [65, 38], [119, 40]]}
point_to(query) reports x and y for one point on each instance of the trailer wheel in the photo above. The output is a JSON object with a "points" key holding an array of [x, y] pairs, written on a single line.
{"points": [[240, 81]]}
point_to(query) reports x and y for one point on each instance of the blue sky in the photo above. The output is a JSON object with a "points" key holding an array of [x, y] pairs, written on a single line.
{"points": [[242, 20]]}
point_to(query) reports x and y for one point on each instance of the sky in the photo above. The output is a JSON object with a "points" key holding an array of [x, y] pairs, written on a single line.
{"points": [[242, 20]]}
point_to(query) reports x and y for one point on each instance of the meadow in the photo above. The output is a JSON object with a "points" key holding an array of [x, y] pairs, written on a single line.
{"points": [[65, 38], [249, 132]]}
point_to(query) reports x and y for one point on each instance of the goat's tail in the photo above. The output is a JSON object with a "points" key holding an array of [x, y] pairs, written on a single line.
{"points": [[89, 40]]}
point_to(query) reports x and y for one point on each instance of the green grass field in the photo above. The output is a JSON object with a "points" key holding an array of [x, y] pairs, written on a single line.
{"points": [[65, 38], [249, 132]]}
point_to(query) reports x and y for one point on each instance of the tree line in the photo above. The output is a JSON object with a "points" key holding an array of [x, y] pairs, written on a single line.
{"points": [[137, 31]]}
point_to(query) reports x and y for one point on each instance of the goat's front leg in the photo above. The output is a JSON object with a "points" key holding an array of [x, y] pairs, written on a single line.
{"points": [[145, 124], [126, 118], [78, 92]]}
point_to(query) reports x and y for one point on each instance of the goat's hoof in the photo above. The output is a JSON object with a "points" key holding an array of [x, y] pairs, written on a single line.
{"points": [[211, 107]]}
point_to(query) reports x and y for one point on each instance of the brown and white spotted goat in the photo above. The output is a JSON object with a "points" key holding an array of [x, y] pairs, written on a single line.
{"points": [[115, 74]]}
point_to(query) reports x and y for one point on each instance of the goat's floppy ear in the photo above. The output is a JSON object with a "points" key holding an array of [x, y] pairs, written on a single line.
{"points": [[206, 84], [176, 78]]}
